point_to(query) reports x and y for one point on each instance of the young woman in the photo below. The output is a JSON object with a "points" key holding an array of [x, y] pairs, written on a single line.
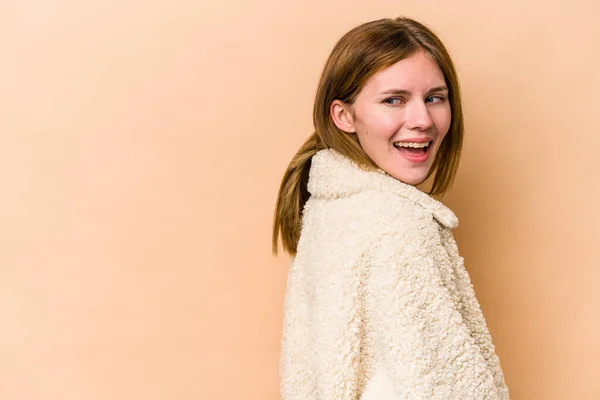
{"points": [[378, 302]]}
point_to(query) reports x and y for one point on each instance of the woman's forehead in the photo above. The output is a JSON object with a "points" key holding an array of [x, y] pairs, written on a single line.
{"points": [[415, 73]]}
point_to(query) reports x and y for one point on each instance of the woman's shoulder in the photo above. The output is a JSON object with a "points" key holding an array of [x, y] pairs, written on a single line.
{"points": [[371, 212], [341, 187]]}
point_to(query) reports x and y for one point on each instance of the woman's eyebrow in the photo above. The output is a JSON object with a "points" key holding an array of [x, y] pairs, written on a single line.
{"points": [[438, 89], [405, 92], [395, 91]]}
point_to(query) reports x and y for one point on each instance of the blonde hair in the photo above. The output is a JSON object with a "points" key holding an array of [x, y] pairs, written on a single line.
{"points": [[358, 55]]}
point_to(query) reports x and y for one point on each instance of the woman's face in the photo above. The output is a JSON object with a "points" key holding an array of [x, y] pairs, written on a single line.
{"points": [[401, 116]]}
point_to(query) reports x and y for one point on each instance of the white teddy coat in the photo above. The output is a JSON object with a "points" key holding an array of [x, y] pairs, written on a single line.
{"points": [[378, 303]]}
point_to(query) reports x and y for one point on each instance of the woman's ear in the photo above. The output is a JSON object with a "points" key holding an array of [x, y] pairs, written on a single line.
{"points": [[342, 117]]}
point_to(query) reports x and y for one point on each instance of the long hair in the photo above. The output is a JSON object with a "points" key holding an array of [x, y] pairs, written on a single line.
{"points": [[357, 56]]}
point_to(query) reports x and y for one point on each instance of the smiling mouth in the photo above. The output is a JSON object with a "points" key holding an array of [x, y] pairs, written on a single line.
{"points": [[413, 148]]}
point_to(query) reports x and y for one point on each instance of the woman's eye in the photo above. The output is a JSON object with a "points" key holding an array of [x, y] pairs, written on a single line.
{"points": [[393, 101], [434, 99]]}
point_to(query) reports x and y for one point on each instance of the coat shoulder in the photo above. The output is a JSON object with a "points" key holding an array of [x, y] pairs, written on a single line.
{"points": [[355, 223], [389, 214], [370, 207]]}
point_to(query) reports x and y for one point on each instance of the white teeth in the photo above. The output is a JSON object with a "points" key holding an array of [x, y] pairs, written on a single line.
{"points": [[411, 144]]}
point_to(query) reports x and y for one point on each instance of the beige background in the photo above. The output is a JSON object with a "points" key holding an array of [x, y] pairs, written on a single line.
{"points": [[141, 147]]}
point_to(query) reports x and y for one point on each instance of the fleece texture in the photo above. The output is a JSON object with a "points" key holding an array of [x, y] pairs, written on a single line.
{"points": [[378, 303]]}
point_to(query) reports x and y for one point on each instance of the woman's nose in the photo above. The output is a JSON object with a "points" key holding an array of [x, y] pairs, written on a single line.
{"points": [[418, 116]]}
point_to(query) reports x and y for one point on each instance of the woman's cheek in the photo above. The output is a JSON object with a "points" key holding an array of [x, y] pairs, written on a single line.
{"points": [[440, 124], [387, 125], [444, 117]]}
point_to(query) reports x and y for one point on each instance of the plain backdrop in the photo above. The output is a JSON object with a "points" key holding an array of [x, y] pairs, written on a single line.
{"points": [[141, 148]]}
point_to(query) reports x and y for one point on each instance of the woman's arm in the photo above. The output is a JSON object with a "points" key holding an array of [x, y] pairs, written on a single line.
{"points": [[419, 343], [321, 333]]}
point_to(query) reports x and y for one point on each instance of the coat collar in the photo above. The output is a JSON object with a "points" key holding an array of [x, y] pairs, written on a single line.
{"points": [[333, 175]]}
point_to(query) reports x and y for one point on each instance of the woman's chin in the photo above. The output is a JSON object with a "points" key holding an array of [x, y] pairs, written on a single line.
{"points": [[414, 177]]}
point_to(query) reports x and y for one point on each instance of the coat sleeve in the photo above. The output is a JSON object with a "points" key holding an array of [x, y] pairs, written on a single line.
{"points": [[321, 332], [417, 341], [473, 315]]}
